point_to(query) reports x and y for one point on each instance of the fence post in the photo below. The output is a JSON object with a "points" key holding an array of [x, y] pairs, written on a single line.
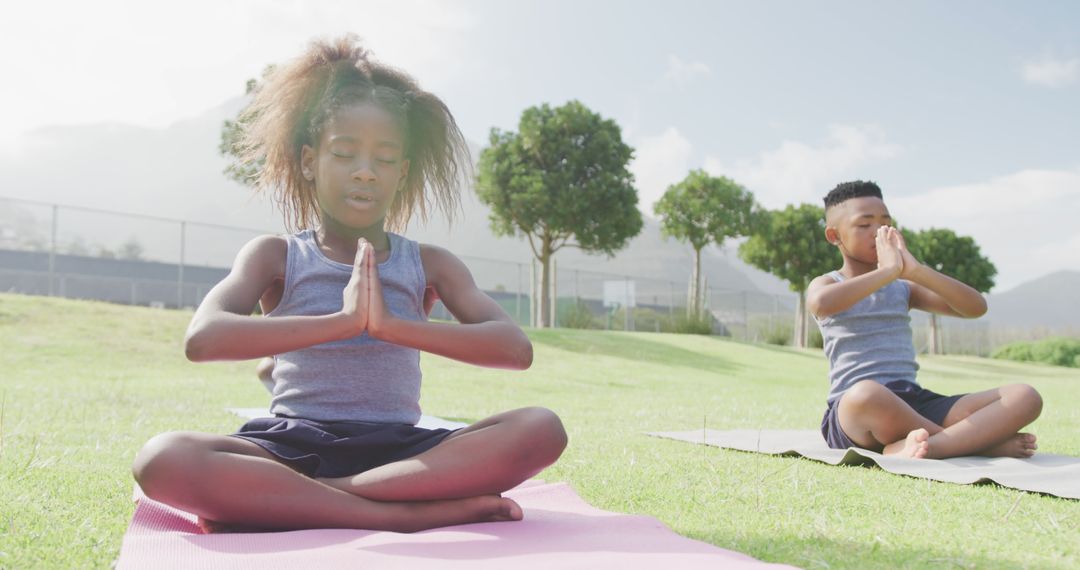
{"points": [[626, 301], [532, 293], [180, 269], [517, 297], [52, 250], [554, 293]]}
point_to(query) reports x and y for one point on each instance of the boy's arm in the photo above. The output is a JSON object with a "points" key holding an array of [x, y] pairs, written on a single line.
{"points": [[487, 336], [935, 292], [224, 329], [825, 296]]}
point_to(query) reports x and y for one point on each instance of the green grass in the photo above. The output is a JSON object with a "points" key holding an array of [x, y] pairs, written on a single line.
{"points": [[83, 385]]}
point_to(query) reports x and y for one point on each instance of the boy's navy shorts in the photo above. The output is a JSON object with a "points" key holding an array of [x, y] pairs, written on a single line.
{"points": [[338, 449], [930, 405]]}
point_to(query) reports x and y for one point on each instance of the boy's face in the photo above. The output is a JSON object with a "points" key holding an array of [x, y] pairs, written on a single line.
{"points": [[852, 226]]}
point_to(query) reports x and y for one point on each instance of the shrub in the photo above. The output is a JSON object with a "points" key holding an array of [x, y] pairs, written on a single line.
{"points": [[700, 324], [576, 315], [1059, 351]]}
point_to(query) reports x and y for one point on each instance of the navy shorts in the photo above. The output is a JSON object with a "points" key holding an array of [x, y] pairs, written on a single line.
{"points": [[338, 449], [930, 405]]}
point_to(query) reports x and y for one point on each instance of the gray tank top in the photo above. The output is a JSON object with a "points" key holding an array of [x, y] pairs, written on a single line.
{"points": [[360, 378], [871, 340]]}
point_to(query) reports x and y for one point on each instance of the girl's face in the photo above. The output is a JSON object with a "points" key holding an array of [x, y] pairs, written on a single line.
{"points": [[358, 166]]}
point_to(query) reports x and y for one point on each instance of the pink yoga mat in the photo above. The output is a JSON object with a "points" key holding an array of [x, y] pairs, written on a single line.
{"points": [[560, 530]]}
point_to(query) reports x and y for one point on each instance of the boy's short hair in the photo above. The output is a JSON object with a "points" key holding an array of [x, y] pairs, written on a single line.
{"points": [[847, 190]]}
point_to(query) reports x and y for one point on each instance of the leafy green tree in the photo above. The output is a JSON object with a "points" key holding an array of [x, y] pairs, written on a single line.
{"points": [[958, 257], [703, 209], [560, 181], [237, 169], [790, 244]]}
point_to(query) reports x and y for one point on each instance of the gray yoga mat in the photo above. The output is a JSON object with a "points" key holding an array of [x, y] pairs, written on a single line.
{"points": [[427, 422], [1057, 475]]}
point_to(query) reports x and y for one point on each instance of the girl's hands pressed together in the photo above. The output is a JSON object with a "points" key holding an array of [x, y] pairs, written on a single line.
{"points": [[356, 297], [378, 317]]}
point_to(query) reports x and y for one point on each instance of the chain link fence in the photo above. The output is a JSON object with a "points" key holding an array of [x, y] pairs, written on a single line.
{"points": [[85, 253]]}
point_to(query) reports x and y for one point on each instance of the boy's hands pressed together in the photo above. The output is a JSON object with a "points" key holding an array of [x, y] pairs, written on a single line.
{"points": [[889, 255], [911, 265]]}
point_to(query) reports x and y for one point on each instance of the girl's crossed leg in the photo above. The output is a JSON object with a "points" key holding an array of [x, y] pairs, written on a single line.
{"points": [[233, 482], [981, 423], [488, 457]]}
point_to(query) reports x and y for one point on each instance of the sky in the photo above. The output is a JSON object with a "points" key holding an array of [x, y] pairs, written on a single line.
{"points": [[965, 112]]}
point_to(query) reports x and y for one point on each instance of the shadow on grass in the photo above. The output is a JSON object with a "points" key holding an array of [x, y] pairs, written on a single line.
{"points": [[630, 347], [777, 348]]}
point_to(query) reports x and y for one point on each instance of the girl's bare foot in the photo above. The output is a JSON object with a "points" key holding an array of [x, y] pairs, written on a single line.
{"points": [[916, 445], [213, 527], [410, 517], [1021, 446]]}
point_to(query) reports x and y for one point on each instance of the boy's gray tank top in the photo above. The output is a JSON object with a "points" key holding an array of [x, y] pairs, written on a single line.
{"points": [[360, 378], [871, 340]]}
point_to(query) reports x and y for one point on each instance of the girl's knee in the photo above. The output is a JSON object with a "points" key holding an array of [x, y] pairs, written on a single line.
{"points": [[543, 431], [165, 460]]}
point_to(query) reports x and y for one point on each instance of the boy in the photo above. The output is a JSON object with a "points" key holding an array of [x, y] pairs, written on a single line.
{"points": [[874, 400]]}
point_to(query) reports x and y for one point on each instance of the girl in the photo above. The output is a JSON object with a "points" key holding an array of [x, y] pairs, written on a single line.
{"points": [[348, 146]]}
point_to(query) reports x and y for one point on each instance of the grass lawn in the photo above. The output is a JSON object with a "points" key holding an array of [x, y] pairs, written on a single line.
{"points": [[83, 385]]}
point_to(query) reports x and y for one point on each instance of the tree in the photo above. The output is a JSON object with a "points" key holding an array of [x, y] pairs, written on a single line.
{"points": [[704, 209], [131, 249], [958, 257], [229, 145], [790, 244], [560, 181]]}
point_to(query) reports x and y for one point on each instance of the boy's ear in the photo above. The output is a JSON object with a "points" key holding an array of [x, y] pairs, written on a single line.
{"points": [[307, 162], [832, 235]]}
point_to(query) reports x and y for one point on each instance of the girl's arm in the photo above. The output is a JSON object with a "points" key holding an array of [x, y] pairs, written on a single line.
{"points": [[487, 336], [224, 329]]}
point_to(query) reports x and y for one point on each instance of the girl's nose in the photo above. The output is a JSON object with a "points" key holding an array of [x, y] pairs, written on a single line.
{"points": [[364, 171]]}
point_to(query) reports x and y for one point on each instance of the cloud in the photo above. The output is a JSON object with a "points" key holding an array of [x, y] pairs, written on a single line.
{"points": [[659, 161], [151, 64], [797, 172], [1051, 72], [1024, 222], [680, 73]]}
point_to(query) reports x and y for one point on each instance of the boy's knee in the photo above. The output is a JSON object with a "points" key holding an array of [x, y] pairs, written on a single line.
{"points": [[1027, 397], [862, 395]]}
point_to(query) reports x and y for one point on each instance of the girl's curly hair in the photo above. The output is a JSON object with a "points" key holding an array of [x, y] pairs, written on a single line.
{"points": [[290, 108]]}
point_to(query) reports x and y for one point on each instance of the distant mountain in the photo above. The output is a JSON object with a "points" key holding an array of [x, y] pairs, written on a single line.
{"points": [[1048, 301], [176, 172]]}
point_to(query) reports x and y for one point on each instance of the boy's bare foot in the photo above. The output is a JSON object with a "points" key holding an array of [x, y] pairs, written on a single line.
{"points": [[916, 445], [1021, 446]]}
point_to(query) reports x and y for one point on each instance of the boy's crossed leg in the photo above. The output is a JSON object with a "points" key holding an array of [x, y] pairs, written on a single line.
{"points": [[982, 423]]}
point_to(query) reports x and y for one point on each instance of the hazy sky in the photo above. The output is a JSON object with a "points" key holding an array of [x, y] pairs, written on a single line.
{"points": [[966, 113]]}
